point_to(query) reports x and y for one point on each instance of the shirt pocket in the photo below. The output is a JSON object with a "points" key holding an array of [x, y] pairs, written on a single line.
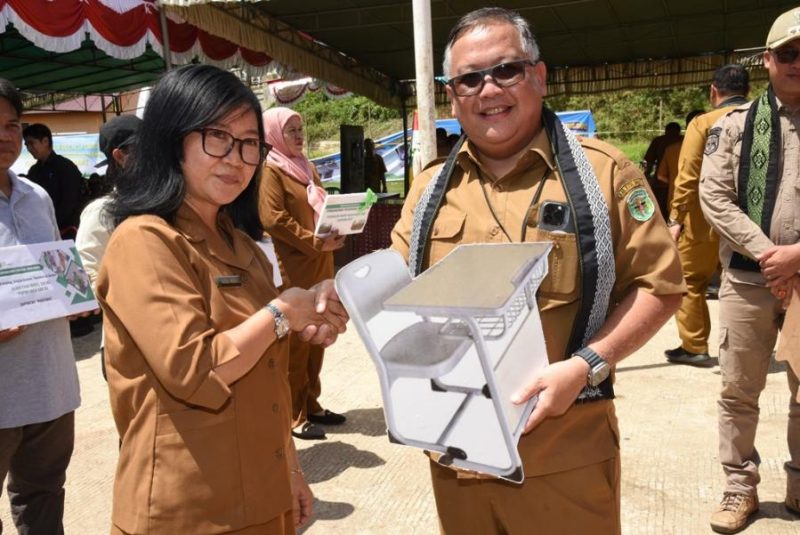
{"points": [[196, 471], [446, 234], [561, 283]]}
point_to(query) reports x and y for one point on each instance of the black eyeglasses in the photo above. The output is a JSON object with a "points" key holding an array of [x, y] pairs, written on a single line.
{"points": [[502, 74], [786, 56], [219, 143]]}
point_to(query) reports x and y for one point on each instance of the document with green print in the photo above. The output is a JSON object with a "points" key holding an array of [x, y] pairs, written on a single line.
{"points": [[346, 213], [42, 281]]}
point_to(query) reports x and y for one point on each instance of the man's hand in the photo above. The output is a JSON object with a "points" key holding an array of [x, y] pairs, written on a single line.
{"points": [[784, 291], [557, 386], [780, 263], [675, 231], [73, 317], [13, 332]]}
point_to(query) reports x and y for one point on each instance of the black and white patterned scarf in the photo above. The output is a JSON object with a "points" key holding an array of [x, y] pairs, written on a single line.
{"points": [[592, 225]]}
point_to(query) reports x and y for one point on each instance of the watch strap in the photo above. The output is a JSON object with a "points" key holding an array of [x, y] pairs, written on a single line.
{"points": [[281, 323]]}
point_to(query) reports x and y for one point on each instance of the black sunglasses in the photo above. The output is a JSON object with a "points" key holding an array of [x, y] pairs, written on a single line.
{"points": [[502, 74], [786, 56]]}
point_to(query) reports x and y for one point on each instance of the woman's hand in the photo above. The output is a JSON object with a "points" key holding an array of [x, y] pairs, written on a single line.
{"points": [[302, 498], [317, 314], [333, 241]]}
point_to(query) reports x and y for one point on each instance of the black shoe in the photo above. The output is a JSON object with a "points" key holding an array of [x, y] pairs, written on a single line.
{"points": [[681, 356], [309, 431], [80, 327], [674, 352], [327, 418]]}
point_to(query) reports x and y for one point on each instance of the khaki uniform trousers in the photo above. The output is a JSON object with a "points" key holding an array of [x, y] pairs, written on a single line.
{"points": [[700, 260], [583, 500], [305, 366], [749, 320]]}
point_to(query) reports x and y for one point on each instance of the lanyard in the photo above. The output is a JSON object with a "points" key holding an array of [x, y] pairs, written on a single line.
{"points": [[534, 201]]}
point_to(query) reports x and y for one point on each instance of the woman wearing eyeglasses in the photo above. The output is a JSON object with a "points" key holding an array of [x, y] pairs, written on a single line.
{"points": [[290, 203], [196, 343]]}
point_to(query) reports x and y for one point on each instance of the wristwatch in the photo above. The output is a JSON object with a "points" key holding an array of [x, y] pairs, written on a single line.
{"points": [[598, 368], [672, 223], [281, 322]]}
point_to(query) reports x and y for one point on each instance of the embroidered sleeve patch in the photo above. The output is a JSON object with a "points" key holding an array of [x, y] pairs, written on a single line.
{"points": [[628, 186], [712, 143], [640, 205]]}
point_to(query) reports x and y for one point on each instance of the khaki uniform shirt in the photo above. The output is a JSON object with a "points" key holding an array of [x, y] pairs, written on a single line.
{"points": [[719, 192], [668, 167], [197, 455], [289, 219], [645, 258], [685, 200]]}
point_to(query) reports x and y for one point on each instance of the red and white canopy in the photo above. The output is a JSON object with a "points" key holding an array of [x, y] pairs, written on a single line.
{"points": [[122, 29]]}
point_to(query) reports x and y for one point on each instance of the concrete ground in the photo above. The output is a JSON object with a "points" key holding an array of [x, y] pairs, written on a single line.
{"points": [[365, 485]]}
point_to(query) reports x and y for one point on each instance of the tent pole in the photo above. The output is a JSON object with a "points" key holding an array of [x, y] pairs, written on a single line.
{"points": [[423, 59], [103, 107], [162, 18], [406, 157]]}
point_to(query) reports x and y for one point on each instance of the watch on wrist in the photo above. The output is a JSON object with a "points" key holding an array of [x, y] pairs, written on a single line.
{"points": [[598, 368], [674, 223], [281, 322]]}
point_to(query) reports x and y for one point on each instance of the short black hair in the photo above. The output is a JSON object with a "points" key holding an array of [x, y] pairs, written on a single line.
{"points": [[731, 79], [672, 127], [186, 99], [483, 17], [10, 93], [38, 131], [692, 114]]}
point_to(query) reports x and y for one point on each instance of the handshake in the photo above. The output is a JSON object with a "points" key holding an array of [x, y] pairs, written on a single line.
{"points": [[316, 314]]}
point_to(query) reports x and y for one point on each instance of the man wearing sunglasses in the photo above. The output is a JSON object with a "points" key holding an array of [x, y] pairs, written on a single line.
{"points": [[614, 275], [749, 182]]}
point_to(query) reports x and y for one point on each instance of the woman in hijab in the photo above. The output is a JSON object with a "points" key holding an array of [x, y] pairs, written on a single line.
{"points": [[290, 203]]}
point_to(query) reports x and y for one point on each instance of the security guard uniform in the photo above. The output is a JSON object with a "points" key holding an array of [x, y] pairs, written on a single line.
{"points": [[749, 313]]}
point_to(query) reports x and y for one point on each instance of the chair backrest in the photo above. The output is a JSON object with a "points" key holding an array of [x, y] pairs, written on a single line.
{"points": [[366, 282]]}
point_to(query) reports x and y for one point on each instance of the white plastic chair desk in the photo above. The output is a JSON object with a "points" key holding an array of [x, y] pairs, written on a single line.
{"points": [[446, 377]]}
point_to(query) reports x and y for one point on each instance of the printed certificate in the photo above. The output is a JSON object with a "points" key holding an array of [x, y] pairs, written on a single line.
{"points": [[346, 213], [42, 281]]}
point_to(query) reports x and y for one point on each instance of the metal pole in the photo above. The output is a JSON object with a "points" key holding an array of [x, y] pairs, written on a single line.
{"points": [[166, 52], [404, 111], [423, 58]]}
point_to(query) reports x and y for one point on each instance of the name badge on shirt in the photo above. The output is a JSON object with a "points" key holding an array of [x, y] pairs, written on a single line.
{"points": [[229, 281]]}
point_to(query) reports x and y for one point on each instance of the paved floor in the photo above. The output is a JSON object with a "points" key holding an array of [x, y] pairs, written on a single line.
{"points": [[365, 485]]}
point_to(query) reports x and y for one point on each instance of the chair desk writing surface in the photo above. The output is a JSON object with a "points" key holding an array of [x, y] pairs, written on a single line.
{"points": [[452, 345]]}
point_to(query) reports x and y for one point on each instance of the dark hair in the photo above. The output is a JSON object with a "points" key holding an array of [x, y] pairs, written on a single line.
{"points": [[672, 127], [38, 131], [731, 79], [10, 93], [484, 17], [184, 100], [692, 114]]}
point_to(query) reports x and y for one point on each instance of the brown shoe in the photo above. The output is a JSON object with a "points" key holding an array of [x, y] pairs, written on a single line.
{"points": [[733, 513], [792, 504]]}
